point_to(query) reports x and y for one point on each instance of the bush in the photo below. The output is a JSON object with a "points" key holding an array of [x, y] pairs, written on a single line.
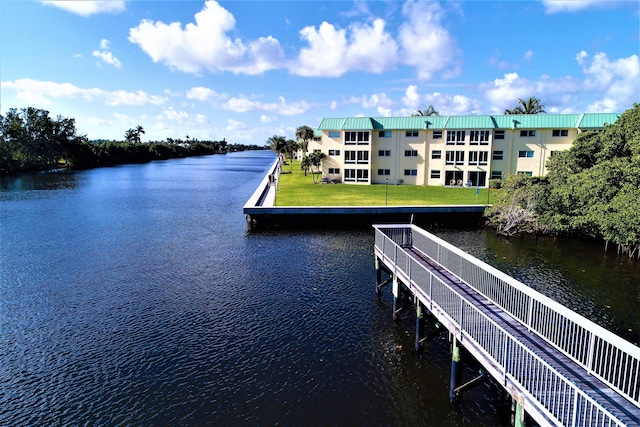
{"points": [[495, 183]]}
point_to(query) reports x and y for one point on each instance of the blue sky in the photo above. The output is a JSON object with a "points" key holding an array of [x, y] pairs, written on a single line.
{"points": [[246, 70]]}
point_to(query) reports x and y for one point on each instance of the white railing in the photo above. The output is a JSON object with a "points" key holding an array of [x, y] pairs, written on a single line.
{"points": [[603, 354]]}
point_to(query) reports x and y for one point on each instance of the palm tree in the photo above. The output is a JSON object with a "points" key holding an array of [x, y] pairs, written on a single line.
{"points": [[291, 147], [130, 135], [278, 144], [530, 106], [139, 130], [315, 159], [305, 134], [429, 111], [305, 164]]}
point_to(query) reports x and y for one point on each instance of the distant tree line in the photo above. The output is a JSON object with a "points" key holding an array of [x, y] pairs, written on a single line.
{"points": [[32, 140], [592, 189]]}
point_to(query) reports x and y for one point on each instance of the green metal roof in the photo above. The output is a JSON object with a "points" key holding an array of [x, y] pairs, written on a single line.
{"points": [[596, 120], [331, 124], [358, 123], [510, 121], [470, 122]]}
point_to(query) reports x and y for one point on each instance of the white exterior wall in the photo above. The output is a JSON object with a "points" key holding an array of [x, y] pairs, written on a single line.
{"points": [[387, 159]]}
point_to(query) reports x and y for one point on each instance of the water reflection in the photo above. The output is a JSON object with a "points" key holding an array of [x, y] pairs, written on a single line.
{"points": [[54, 180]]}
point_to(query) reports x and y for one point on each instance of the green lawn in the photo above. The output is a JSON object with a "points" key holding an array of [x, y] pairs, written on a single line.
{"points": [[295, 189]]}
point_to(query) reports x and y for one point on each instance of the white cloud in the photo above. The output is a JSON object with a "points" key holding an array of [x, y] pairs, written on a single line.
{"points": [[202, 93], [29, 88], [243, 104], [333, 105], [426, 44], [528, 55], [617, 81], [181, 118], [235, 125], [332, 52], [555, 6], [206, 45], [372, 101], [267, 119], [139, 97], [107, 57], [504, 93], [411, 98], [88, 8]]}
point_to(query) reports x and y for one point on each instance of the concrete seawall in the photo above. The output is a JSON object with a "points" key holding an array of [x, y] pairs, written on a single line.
{"points": [[260, 210]]}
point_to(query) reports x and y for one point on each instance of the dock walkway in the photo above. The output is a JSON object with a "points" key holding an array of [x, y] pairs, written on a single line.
{"points": [[561, 368]]}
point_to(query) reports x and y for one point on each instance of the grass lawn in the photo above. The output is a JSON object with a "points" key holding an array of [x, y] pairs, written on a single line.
{"points": [[295, 189]]}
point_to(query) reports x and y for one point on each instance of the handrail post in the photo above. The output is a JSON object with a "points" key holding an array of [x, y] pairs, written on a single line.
{"points": [[592, 344], [530, 311]]}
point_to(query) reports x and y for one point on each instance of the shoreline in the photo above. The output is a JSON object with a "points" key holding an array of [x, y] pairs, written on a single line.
{"points": [[260, 210]]}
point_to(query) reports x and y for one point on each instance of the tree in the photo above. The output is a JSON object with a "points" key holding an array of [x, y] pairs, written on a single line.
{"points": [[139, 130], [592, 190], [130, 135], [429, 111], [291, 147], [313, 160], [278, 144], [32, 140], [304, 134], [530, 106]]}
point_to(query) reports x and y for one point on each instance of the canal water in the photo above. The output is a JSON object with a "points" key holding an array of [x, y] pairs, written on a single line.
{"points": [[137, 295]]}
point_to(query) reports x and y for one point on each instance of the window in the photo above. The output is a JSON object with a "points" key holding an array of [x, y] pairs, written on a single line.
{"points": [[560, 132], [437, 134], [384, 172], [479, 136], [349, 156], [411, 153], [362, 175], [334, 152], [435, 174], [334, 171], [459, 157], [450, 159], [353, 137], [384, 134], [317, 139], [527, 173], [473, 157], [411, 172], [334, 134], [527, 133], [554, 153], [456, 137], [525, 153], [411, 133], [363, 157], [436, 154], [496, 175], [498, 134], [483, 158], [478, 157], [349, 174], [497, 155], [384, 153], [316, 151]]}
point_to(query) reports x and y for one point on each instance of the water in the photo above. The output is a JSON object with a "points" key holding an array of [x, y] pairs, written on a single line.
{"points": [[137, 295]]}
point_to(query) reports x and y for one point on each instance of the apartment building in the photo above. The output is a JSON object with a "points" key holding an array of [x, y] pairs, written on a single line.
{"points": [[446, 150]]}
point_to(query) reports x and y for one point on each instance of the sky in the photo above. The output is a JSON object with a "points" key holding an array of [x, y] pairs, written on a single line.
{"points": [[247, 70]]}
